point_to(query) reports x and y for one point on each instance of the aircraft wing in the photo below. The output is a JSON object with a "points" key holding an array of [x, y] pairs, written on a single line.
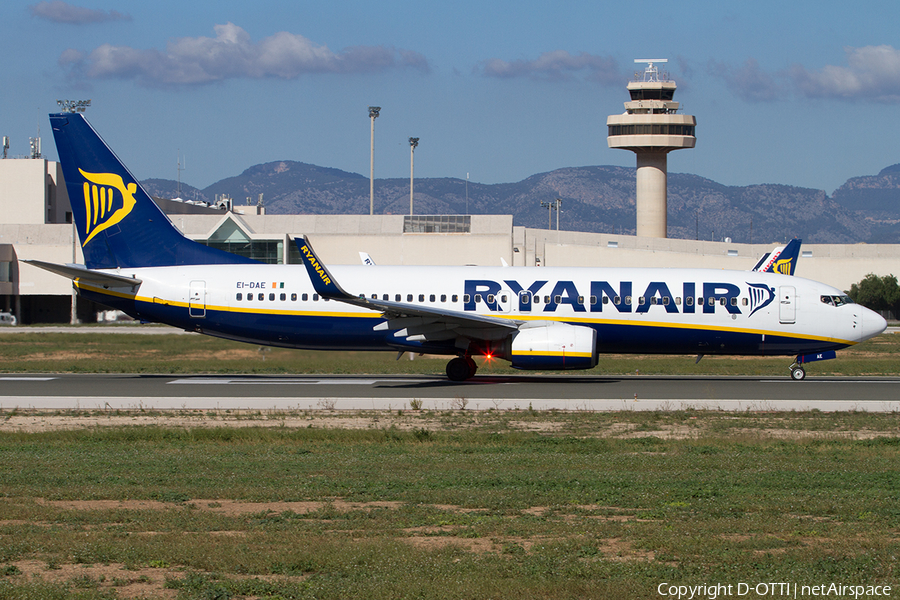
{"points": [[414, 322], [82, 273]]}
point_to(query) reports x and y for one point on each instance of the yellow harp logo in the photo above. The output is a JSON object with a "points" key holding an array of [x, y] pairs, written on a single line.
{"points": [[783, 266], [102, 208]]}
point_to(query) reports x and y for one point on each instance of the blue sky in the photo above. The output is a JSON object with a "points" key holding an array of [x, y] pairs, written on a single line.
{"points": [[797, 93]]}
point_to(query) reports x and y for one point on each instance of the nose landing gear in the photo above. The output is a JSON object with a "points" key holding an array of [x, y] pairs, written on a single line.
{"points": [[798, 373]]}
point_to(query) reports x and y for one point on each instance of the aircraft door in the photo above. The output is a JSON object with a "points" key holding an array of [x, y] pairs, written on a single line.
{"points": [[787, 304], [524, 301], [197, 300]]}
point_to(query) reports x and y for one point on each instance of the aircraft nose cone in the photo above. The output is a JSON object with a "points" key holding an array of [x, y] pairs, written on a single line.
{"points": [[871, 324]]}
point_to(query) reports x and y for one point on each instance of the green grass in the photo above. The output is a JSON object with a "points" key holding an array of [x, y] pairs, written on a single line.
{"points": [[87, 352], [482, 508]]}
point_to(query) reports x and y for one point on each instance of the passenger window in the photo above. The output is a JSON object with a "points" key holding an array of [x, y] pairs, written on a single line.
{"points": [[490, 298], [421, 297], [618, 300], [315, 297], [304, 297], [397, 297], [293, 297], [734, 300], [557, 299], [580, 299], [261, 297], [466, 298], [409, 297], [283, 297], [240, 296], [593, 300], [477, 298], [503, 298], [546, 299], [641, 300], [689, 301], [443, 297], [385, 297], [628, 300], [271, 297], [654, 300], [454, 298], [431, 298], [745, 301]]}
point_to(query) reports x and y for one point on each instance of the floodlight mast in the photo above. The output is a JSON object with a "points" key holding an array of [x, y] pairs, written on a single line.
{"points": [[73, 106], [373, 114], [413, 142]]}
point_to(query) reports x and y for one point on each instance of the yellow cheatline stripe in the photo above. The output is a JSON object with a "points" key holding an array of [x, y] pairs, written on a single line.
{"points": [[518, 317], [554, 353]]}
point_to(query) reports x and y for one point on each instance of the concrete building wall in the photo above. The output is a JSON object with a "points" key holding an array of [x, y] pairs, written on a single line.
{"points": [[31, 192], [839, 265]]}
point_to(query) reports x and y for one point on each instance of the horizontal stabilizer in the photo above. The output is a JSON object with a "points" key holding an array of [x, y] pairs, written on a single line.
{"points": [[81, 273]]}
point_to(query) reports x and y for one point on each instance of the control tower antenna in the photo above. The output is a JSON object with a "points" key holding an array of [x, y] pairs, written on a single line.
{"points": [[651, 128]]}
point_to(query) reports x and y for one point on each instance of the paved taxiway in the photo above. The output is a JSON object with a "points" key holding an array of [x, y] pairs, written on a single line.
{"points": [[565, 392]]}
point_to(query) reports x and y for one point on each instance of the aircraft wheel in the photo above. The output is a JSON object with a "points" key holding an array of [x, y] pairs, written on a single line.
{"points": [[472, 366], [798, 373], [458, 369]]}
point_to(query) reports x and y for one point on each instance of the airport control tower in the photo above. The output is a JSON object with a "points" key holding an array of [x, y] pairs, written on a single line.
{"points": [[651, 128]]}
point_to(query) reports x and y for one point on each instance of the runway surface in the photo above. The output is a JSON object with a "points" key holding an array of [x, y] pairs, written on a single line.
{"points": [[563, 392]]}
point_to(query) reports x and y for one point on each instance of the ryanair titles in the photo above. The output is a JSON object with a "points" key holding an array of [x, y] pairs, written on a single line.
{"points": [[692, 297], [314, 264]]}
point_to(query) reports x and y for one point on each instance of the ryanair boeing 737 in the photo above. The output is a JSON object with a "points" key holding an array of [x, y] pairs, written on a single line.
{"points": [[535, 318]]}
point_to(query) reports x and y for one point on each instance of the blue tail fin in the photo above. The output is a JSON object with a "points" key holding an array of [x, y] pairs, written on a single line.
{"points": [[781, 260], [118, 223]]}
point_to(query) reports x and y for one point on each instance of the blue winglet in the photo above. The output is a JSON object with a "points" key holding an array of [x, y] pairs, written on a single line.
{"points": [[322, 281]]}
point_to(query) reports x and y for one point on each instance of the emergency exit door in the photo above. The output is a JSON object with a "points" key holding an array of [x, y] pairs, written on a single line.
{"points": [[197, 300], [787, 304]]}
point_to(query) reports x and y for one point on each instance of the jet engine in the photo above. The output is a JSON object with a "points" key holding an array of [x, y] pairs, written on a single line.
{"points": [[551, 345]]}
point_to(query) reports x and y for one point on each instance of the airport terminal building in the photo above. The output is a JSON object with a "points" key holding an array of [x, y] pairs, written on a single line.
{"points": [[36, 223]]}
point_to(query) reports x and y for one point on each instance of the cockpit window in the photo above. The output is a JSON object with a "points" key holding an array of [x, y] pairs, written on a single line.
{"points": [[837, 300]]}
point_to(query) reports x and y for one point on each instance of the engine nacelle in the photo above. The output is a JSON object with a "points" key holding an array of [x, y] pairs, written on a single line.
{"points": [[550, 345]]}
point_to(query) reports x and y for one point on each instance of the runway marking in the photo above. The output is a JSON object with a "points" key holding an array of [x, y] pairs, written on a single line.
{"points": [[27, 378], [207, 381], [808, 381]]}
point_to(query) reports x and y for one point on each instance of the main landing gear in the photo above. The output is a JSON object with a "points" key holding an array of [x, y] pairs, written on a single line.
{"points": [[461, 368]]}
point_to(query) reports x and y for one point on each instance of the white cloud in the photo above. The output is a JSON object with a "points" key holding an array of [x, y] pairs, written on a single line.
{"points": [[233, 54], [555, 66], [62, 12], [872, 73]]}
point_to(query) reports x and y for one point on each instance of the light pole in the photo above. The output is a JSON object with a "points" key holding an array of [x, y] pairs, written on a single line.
{"points": [[413, 142], [549, 207], [373, 114]]}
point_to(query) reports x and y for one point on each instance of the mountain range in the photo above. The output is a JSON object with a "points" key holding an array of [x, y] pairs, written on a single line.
{"points": [[594, 199]]}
